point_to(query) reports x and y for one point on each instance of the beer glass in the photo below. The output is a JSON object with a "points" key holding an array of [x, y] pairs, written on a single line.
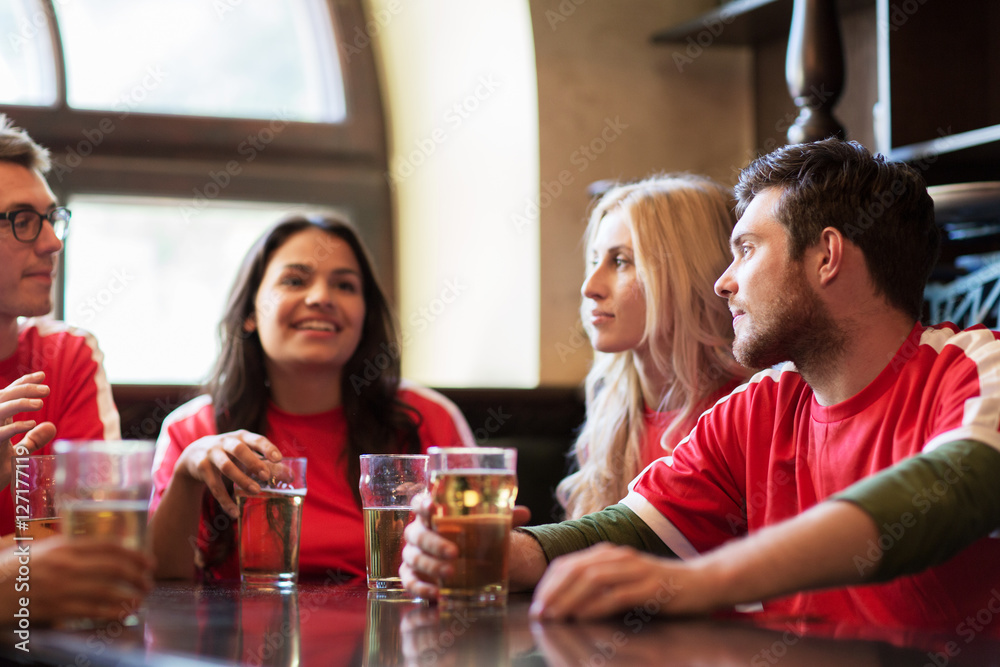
{"points": [[270, 525], [102, 491], [388, 483], [473, 491], [33, 488]]}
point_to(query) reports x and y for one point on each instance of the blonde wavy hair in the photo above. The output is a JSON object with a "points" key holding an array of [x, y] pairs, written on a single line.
{"points": [[680, 226]]}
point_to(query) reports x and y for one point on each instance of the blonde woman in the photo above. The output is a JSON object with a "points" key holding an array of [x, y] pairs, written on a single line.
{"points": [[662, 338]]}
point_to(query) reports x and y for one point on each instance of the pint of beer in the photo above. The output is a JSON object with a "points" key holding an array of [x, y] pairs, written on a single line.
{"points": [[387, 485], [473, 492]]}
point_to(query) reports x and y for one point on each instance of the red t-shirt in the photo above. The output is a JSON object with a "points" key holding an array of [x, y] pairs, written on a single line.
{"points": [[332, 542], [79, 403], [656, 445], [769, 451]]}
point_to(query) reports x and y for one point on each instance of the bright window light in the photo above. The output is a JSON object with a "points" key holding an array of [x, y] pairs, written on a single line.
{"points": [[154, 299], [246, 59], [463, 163], [27, 68]]}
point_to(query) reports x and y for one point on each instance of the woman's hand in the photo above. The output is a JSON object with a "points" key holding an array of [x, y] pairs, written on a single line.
{"points": [[239, 456]]}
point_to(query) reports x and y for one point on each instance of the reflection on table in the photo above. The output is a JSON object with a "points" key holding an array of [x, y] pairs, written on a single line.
{"points": [[325, 623]]}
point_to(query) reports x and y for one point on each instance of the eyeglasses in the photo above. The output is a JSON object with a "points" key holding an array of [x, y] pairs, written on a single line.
{"points": [[27, 223]]}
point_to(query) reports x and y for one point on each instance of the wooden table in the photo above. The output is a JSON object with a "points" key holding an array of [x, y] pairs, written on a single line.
{"points": [[328, 624]]}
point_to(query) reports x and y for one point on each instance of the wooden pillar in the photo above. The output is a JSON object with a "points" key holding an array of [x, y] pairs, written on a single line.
{"points": [[814, 70]]}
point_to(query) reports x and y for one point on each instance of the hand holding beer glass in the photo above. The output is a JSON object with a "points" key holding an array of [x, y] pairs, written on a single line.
{"points": [[270, 525], [388, 483], [102, 492], [472, 493]]}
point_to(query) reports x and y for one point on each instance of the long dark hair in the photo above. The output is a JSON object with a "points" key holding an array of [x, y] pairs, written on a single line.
{"points": [[377, 421]]}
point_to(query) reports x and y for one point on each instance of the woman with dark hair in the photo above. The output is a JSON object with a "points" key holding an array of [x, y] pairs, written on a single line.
{"points": [[309, 367]]}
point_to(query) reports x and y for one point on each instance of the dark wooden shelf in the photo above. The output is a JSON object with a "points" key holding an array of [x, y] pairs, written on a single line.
{"points": [[742, 23]]}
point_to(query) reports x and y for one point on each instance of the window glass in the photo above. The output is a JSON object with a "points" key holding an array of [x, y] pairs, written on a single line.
{"points": [[154, 299], [232, 58], [27, 69]]}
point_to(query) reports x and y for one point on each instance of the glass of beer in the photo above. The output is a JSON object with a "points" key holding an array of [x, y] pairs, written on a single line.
{"points": [[388, 483], [33, 488], [270, 525], [473, 491], [102, 491]]}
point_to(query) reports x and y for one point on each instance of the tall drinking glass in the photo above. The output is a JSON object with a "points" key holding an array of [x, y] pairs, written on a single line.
{"points": [[473, 491], [270, 525], [102, 491], [387, 485], [33, 488]]}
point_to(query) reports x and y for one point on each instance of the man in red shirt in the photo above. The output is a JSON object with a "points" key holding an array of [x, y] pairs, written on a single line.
{"points": [[54, 385], [831, 254], [52, 373]]}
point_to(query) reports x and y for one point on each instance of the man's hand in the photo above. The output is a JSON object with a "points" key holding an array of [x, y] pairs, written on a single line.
{"points": [[82, 578], [24, 394], [607, 579], [428, 557]]}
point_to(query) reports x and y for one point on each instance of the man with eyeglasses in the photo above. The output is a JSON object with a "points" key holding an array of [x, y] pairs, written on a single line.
{"points": [[54, 382], [54, 386]]}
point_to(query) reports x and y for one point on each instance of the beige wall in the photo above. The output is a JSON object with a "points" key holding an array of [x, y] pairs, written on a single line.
{"points": [[613, 105]]}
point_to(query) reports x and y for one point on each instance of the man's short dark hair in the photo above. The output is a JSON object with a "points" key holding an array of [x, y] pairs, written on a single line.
{"points": [[882, 207], [17, 147]]}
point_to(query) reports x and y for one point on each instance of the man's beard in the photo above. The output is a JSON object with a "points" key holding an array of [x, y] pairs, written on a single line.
{"points": [[797, 328]]}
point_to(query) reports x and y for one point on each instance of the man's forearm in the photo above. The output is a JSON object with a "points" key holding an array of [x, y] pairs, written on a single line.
{"points": [[527, 561], [815, 549], [616, 524], [931, 506]]}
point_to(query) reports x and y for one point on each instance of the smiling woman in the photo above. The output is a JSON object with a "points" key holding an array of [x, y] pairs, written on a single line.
{"points": [[305, 317]]}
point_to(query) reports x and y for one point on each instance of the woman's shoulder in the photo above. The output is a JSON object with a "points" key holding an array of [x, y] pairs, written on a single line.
{"points": [[419, 397], [196, 413], [434, 407]]}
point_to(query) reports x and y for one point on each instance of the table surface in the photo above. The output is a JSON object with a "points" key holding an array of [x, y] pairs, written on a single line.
{"points": [[327, 624]]}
